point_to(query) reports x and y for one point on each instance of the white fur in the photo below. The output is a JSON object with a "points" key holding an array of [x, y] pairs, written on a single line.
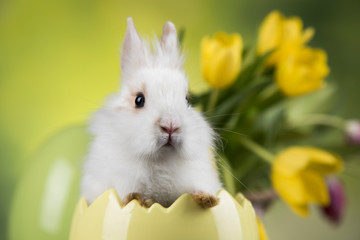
{"points": [[128, 152]]}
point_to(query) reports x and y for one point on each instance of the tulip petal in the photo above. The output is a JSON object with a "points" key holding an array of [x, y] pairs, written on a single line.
{"points": [[225, 67], [295, 159], [299, 191], [290, 188], [308, 35], [293, 30], [298, 176], [323, 162], [318, 58], [301, 210], [221, 59], [270, 32], [291, 161], [302, 71], [293, 192], [315, 188], [262, 231], [283, 35]]}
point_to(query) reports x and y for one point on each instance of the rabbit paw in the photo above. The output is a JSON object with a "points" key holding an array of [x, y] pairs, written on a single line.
{"points": [[146, 202], [205, 200]]}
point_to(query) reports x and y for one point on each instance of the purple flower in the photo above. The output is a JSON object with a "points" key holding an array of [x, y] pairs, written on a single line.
{"points": [[352, 130], [335, 210]]}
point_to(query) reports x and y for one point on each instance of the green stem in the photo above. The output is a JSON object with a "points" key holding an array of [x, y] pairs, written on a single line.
{"points": [[319, 119], [214, 95], [257, 149]]}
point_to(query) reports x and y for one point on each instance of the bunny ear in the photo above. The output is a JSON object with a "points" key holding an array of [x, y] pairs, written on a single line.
{"points": [[169, 42], [132, 48]]}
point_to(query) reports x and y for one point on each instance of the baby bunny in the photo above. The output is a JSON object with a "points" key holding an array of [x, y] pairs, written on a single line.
{"points": [[149, 143]]}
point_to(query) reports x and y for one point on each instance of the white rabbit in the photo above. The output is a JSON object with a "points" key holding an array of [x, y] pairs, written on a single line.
{"points": [[149, 143]]}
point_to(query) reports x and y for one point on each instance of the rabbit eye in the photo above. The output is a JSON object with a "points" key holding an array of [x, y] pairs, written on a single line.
{"points": [[139, 100]]}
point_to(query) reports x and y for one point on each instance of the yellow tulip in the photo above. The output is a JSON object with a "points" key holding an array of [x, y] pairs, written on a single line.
{"points": [[282, 35], [221, 59], [262, 231], [302, 72], [298, 176]]}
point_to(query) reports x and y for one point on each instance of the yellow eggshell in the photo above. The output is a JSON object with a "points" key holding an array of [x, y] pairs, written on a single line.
{"points": [[107, 219]]}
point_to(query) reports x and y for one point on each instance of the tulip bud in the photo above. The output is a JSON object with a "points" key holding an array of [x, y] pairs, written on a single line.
{"points": [[352, 130], [221, 59], [335, 210]]}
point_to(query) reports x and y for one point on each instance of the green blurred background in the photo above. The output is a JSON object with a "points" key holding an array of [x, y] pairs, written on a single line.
{"points": [[60, 58]]}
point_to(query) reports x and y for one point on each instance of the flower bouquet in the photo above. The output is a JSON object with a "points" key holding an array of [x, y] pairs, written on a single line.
{"points": [[270, 106]]}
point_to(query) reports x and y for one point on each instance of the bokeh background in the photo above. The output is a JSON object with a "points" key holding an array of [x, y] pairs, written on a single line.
{"points": [[59, 59]]}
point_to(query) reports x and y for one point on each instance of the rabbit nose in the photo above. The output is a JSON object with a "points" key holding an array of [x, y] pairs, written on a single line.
{"points": [[169, 129]]}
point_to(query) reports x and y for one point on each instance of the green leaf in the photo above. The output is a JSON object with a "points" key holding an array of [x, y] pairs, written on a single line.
{"points": [[229, 104], [227, 174], [202, 99], [250, 71], [271, 121], [316, 102]]}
